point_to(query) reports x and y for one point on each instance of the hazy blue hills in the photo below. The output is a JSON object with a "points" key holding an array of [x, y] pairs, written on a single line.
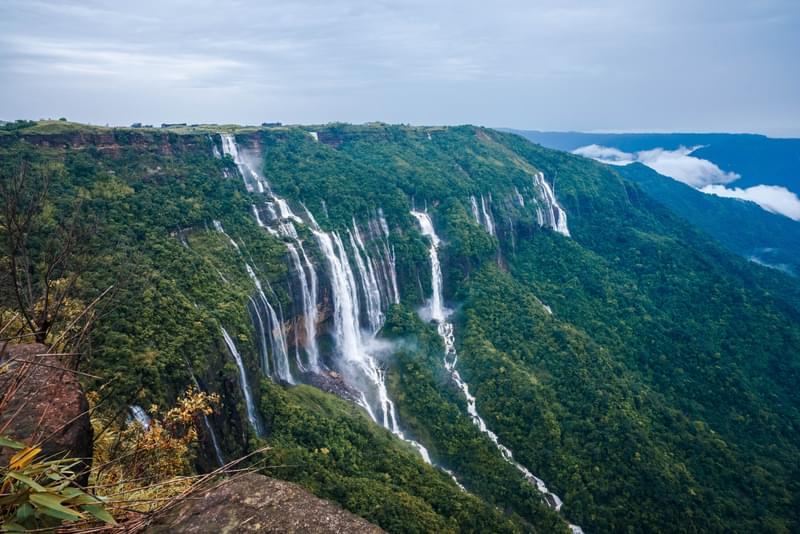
{"points": [[756, 158], [741, 226]]}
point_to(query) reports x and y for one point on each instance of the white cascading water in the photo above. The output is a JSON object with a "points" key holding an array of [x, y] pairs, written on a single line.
{"points": [[438, 313], [356, 360], [473, 203], [369, 283], [487, 215], [280, 350], [252, 415], [352, 347], [553, 215], [389, 262], [262, 334], [519, 197], [140, 416], [266, 322], [282, 222], [308, 290]]}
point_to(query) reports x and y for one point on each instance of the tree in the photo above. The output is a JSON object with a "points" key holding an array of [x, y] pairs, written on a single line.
{"points": [[45, 246]]}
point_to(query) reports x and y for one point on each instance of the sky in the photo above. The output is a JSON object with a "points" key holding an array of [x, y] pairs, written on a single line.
{"points": [[593, 65]]}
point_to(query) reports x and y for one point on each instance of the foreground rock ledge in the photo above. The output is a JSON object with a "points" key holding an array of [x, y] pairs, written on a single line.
{"points": [[45, 405], [256, 503]]}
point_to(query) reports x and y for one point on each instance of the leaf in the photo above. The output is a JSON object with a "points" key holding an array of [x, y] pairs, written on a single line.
{"points": [[10, 526], [6, 442], [76, 496], [100, 513], [24, 512], [23, 458], [28, 481], [51, 505]]}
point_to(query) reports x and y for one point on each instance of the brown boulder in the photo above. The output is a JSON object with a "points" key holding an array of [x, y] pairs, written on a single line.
{"points": [[256, 503], [43, 403]]}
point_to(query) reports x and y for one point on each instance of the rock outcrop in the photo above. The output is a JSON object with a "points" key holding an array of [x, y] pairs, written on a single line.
{"points": [[43, 403], [256, 503]]}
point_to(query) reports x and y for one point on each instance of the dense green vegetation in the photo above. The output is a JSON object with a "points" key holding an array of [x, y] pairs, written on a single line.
{"points": [[742, 227], [660, 395], [334, 448]]}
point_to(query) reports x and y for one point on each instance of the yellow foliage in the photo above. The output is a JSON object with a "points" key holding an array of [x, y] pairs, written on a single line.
{"points": [[137, 467]]}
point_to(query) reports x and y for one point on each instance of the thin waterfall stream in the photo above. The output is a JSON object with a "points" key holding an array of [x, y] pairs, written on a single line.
{"points": [[439, 315]]}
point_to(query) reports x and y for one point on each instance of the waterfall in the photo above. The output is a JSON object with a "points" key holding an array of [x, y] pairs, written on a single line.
{"points": [[388, 264], [280, 351], [520, 198], [253, 181], [257, 317], [353, 349], [282, 222], [473, 202], [206, 422], [138, 414], [214, 440], [252, 414], [487, 215], [308, 290], [482, 213], [390, 258], [353, 346], [553, 215], [438, 313], [265, 321], [369, 283]]}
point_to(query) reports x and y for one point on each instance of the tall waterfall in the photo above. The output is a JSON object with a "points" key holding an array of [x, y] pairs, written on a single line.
{"points": [[482, 212], [553, 215], [308, 290], [369, 283], [519, 197], [439, 314], [252, 414], [473, 202], [549, 212], [280, 350], [354, 347], [268, 326], [266, 321], [487, 215]]}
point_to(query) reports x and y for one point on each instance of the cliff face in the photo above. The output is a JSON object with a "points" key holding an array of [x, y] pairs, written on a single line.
{"points": [[110, 141]]}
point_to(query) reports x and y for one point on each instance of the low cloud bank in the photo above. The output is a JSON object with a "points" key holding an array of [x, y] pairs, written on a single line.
{"points": [[770, 197], [678, 164], [703, 175]]}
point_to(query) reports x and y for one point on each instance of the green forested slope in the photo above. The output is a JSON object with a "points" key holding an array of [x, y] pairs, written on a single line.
{"points": [[660, 395], [743, 227]]}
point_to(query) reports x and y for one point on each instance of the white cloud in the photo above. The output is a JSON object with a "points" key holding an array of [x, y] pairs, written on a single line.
{"points": [[682, 166], [770, 197], [703, 175], [677, 164], [604, 154]]}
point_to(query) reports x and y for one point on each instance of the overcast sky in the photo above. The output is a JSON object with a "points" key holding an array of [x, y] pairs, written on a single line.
{"points": [[666, 65]]}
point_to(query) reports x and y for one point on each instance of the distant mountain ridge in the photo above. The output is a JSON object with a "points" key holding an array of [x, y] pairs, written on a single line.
{"points": [[741, 226], [758, 159]]}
